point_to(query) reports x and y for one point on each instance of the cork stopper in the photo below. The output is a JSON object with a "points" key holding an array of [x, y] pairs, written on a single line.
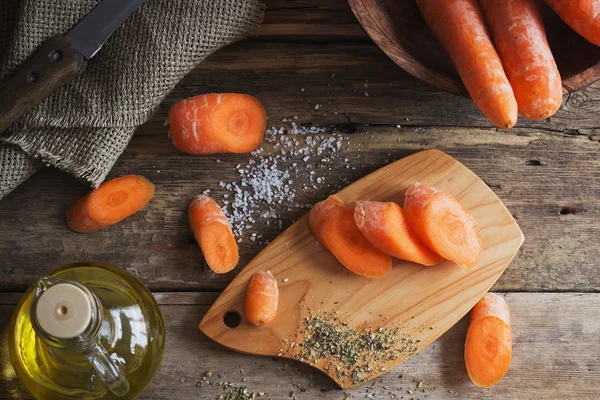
{"points": [[64, 311]]}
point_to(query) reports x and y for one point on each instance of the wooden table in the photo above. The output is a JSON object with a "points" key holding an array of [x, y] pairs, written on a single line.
{"points": [[313, 52]]}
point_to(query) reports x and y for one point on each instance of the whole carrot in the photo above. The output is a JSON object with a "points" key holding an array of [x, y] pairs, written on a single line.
{"points": [[459, 26], [518, 33], [583, 16]]}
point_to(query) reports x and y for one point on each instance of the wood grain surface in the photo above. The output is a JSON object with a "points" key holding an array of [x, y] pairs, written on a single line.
{"points": [[421, 302], [545, 172]]}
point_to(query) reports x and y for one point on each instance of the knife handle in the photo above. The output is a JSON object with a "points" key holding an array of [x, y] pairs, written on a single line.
{"points": [[53, 65]]}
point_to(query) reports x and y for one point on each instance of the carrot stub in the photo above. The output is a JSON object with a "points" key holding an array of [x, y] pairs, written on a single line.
{"points": [[583, 16], [217, 123], [459, 26], [443, 224], [333, 224], [520, 39], [110, 203], [488, 347], [262, 298], [386, 227], [213, 234]]}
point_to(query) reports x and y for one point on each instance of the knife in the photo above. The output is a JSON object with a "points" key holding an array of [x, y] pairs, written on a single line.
{"points": [[60, 59]]}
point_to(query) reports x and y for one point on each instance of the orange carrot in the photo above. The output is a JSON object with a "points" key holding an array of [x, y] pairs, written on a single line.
{"points": [[213, 233], [443, 224], [459, 26], [262, 298], [110, 203], [583, 16], [518, 33], [217, 123], [488, 347], [333, 225], [386, 227], [78, 219]]}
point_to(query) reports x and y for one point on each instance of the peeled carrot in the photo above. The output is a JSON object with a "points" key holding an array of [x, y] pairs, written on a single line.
{"points": [[333, 225], [583, 16], [217, 123], [262, 298], [386, 227], [213, 234], [488, 348], [443, 224], [110, 203], [518, 33], [459, 26]]}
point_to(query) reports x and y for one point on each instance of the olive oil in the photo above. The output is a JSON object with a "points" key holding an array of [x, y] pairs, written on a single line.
{"points": [[117, 352]]}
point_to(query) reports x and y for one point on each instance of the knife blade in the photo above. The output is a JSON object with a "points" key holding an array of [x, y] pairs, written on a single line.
{"points": [[60, 59]]}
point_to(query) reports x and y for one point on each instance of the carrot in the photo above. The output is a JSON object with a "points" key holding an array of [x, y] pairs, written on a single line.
{"points": [[583, 16], [518, 33], [386, 227], [333, 225], [213, 234], [110, 203], [443, 224], [78, 219], [459, 26], [488, 347], [262, 298], [217, 123]]}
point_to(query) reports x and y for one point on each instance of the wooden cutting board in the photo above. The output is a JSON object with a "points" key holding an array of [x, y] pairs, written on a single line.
{"points": [[370, 325]]}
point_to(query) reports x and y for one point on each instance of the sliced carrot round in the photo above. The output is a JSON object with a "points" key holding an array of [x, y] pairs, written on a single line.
{"points": [[443, 225], [119, 198], [386, 227], [78, 219], [488, 347], [334, 226], [213, 234], [262, 298]]}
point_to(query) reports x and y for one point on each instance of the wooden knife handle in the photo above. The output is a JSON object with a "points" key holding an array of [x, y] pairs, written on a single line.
{"points": [[53, 65]]}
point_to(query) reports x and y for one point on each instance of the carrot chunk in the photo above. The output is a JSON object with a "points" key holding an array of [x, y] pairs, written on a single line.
{"points": [[581, 15], [386, 227], [78, 219], [217, 123], [262, 298], [519, 35], [488, 347], [333, 225], [443, 224], [110, 203], [213, 234], [459, 26]]}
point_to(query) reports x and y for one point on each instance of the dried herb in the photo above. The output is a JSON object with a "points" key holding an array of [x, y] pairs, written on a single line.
{"points": [[238, 393]]}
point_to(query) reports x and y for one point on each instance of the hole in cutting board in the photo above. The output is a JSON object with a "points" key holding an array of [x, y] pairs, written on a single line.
{"points": [[232, 319]]}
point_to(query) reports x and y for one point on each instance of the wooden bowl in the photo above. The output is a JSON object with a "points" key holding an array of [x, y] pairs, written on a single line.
{"points": [[396, 26]]}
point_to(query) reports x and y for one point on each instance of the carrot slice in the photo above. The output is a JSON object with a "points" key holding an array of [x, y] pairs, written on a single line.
{"points": [[217, 123], [213, 234], [519, 35], [386, 227], [581, 15], [110, 203], [333, 225], [262, 298], [78, 219], [459, 26], [488, 347], [443, 224], [119, 198]]}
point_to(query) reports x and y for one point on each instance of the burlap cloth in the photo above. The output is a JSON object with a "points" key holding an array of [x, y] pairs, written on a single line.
{"points": [[84, 127]]}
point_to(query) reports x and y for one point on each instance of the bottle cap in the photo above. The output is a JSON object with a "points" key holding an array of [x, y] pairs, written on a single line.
{"points": [[64, 311]]}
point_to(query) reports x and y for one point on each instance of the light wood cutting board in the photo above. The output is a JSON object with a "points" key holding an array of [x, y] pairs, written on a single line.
{"points": [[420, 303]]}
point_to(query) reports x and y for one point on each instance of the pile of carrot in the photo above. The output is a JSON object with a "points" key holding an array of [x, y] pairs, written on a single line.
{"points": [[501, 52], [431, 227]]}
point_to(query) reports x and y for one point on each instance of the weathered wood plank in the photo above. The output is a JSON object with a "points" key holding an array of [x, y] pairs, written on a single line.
{"points": [[555, 356], [559, 253]]}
